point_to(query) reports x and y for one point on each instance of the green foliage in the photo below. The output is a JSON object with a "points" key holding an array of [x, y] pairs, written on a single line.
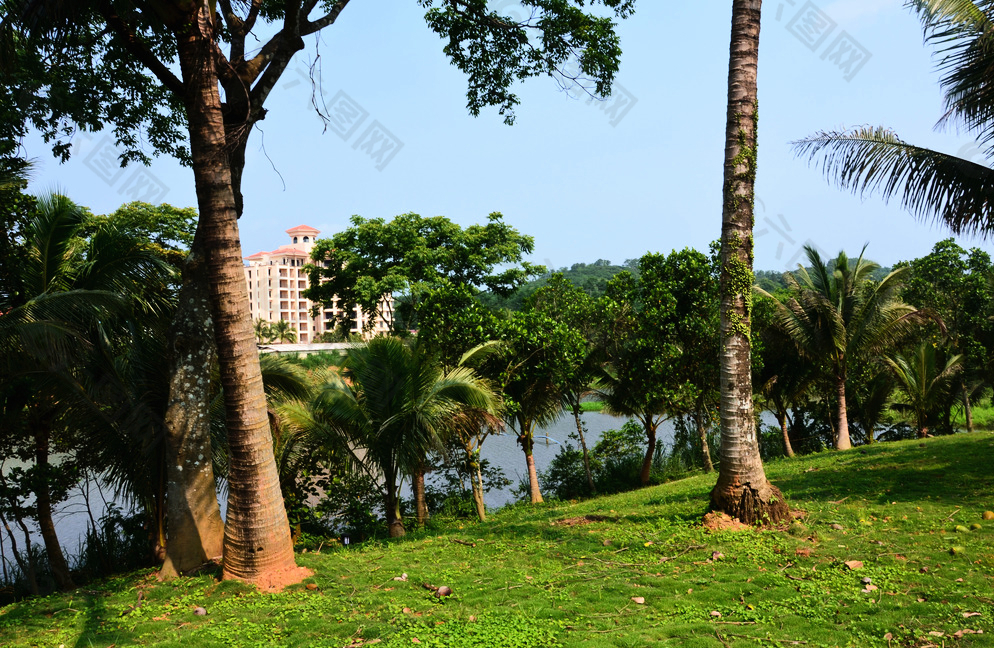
{"points": [[415, 255], [565, 574], [494, 50], [591, 278]]}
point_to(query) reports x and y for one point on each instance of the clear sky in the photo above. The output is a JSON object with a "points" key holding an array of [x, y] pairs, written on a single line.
{"points": [[641, 172]]}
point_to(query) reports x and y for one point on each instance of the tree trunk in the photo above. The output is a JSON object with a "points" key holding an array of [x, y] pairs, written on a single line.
{"points": [[742, 490], [395, 522], [583, 446], [27, 563], [967, 410], [842, 441], [650, 436], [705, 447], [476, 479], [195, 529], [782, 420], [43, 509], [421, 503], [257, 543], [527, 441]]}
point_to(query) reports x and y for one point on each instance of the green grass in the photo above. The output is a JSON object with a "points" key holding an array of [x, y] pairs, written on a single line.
{"points": [[592, 406], [532, 582], [983, 415]]}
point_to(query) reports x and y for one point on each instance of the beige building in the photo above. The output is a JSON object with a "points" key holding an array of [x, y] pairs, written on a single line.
{"points": [[276, 282]]}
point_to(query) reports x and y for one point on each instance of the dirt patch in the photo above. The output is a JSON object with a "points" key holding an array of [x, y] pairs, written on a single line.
{"points": [[275, 581], [583, 519], [716, 521]]}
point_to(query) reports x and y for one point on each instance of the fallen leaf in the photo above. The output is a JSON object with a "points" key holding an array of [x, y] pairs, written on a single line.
{"points": [[967, 615], [869, 588], [472, 618], [312, 586], [854, 564], [804, 552], [606, 543], [936, 633], [415, 640], [639, 600], [715, 555], [888, 636], [407, 610]]}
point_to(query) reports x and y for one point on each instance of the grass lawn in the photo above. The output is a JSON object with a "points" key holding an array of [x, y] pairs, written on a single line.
{"points": [[630, 570]]}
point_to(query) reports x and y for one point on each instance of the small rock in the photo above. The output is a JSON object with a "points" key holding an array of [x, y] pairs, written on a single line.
{"points": [[838, 527], [717, 555], [472, 618], [923, 570], [716, 614], [867, 580], [200, 611], [402, 577], [444, 590], [312, 586], [869, 588], [639, 600], [606, 543]]}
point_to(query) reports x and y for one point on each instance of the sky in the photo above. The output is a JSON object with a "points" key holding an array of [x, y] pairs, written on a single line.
{"points": [[640, 172]]}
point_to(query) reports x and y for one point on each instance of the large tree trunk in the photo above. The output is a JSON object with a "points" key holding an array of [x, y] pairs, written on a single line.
{"points": [[43, 509], [257, 543], [195, 529], [527, 442], [650, 437], [842, 440], [420, 501], [742, 490], [583, 446]]}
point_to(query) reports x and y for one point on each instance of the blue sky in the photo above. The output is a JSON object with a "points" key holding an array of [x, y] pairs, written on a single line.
{"points": [[586, 182]]}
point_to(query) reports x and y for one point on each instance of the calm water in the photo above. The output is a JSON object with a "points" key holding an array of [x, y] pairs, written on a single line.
{"points": [[72, 519]]}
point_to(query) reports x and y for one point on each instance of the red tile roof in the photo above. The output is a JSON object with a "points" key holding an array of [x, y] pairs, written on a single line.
{"points": [[303, 228]]}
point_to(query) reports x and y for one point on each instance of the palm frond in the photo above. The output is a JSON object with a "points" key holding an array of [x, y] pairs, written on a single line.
{"points": [[933, 186]]}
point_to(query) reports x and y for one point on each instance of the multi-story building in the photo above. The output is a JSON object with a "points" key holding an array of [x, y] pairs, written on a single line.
{"points": [[276, 282]]}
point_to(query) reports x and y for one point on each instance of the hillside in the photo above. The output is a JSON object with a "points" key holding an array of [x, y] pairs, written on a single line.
{"points": [[625, 570]]}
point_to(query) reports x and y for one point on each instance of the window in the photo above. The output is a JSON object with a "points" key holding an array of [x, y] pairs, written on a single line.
{"points": [[306, 239], [294, 239]]}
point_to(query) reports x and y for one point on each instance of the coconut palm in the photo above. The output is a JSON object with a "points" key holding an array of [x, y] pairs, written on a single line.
{"points": [[282, 331], [835, 315], [263, 331], [742, 490], [396, 404], [931, 185], [926, 378], [71, 296]]}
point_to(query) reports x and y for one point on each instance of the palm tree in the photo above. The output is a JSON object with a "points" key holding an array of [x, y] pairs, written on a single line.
{"points": [[282, 331], [72, 296], [836, 315], [263, 331], [926, 380], [930, 184], [397, 404], [742, 489]]}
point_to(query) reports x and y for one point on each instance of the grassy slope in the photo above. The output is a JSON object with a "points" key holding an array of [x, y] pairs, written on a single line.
{"points": [[529, 582]]}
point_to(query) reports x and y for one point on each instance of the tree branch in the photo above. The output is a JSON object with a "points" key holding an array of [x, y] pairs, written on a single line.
{"points": [[307, 27], [133, 43]]}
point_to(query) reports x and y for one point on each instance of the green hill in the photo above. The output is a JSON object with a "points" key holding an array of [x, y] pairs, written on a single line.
{"points": [[875, 559]]}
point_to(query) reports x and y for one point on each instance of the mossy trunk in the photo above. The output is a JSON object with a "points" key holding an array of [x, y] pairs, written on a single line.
{"points": [[742, 490], [583, 446], [650, 449]]}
